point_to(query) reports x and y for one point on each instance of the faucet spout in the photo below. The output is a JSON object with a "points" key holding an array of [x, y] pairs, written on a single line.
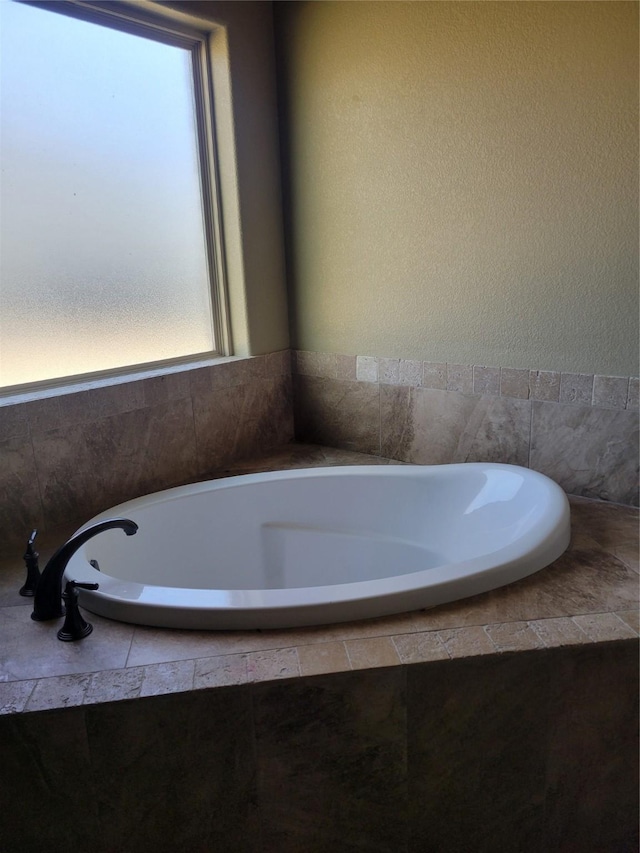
{"points": [[47, 601]]}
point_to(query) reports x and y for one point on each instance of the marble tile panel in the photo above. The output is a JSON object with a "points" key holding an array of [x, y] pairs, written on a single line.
{"points": [[228, 374], [83, 407], [14, 421], [316, 364], [486, 380], [434, 375], [46, 413], [591, 798], [321, 658], [613, 527], [338, 414], [366, 368], [279, 363], [420, 647], [238, 422], [460, 378], [631, 618], [397, 427], [189, 766], [544, 385], [31, 649], [576, 388], [589, 451], [20, 504], [160, 645], [86, 468], [46, 758], [514, 383], [170, 386], [256, 368], [477, 733], [451, 427], [331, 754], [610, 392], [372, 653], [633, 400]]}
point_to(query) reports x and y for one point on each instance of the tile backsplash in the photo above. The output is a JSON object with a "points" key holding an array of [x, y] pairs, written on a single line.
{"points": [[579, 429], [69, 455]]}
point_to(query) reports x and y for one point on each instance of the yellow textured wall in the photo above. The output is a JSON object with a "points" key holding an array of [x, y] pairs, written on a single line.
{"points": [[462, 180]]}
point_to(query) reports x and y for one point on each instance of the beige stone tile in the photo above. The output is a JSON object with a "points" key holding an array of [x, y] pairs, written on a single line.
{"points": [[174, 677], [460, 378], [389, 371], [366, 368], [601, 627], [279, 363], [372, 653], [514, 636], [410, 372], [576, 388], [113, 685], [544, 385], [322, 658], [466, 642], [62, 691], [31, 649], [416, 648], [14, 695], [562, 631], [631, 618], [316, 364], [434, 375], [566, 439], [346, 367], [159, 645], [514, 383], [14, 422], [486, 380], [272, 664], [221, 671], [610, 392]]}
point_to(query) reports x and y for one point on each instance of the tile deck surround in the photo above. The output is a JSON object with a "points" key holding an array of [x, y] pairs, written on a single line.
{"points": [[589, 595]]}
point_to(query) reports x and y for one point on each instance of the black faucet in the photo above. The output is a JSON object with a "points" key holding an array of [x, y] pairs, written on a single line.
{"points": [[47, 602]]}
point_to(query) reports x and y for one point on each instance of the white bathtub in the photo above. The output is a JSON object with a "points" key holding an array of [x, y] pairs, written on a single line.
{"points": [[322, 545]]}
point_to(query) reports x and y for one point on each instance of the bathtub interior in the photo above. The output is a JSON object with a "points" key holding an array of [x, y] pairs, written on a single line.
{"points": [[321, 528]]}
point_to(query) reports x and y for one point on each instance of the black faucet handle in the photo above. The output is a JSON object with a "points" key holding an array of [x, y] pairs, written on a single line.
{"points": [[71, 585], [30, 558], [75, 625]]}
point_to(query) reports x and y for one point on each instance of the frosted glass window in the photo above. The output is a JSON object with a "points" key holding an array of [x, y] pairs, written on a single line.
{"points": [[103, 256]]}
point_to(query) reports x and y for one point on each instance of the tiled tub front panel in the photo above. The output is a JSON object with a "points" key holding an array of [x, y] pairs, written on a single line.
{"points": [[530, 751], [68, 456], [580, 430]]}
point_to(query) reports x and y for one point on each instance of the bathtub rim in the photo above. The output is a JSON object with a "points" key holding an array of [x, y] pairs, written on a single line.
{"points": [[304, 606]]}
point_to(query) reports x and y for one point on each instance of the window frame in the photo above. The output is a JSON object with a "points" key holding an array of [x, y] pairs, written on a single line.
{"points": [[150, 20]]}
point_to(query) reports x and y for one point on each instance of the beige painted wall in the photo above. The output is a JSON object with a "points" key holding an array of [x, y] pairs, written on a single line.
{"points": [[247, 128], [463, 180]]}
